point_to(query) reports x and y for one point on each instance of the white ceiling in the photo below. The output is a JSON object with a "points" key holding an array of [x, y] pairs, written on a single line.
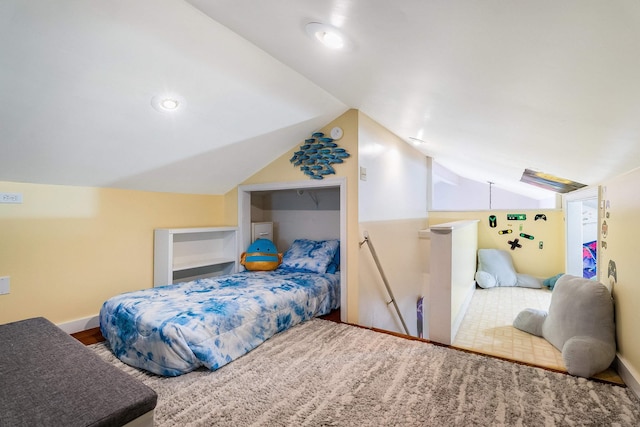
{"points": [[492, 87]]}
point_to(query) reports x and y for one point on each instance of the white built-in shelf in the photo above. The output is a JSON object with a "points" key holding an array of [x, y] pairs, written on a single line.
{"points": [[182, 254], [177, 266]]}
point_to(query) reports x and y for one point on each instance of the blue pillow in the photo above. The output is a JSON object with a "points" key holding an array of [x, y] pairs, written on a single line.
{"points": [[334, 265], [551, 281], [310, 255]]}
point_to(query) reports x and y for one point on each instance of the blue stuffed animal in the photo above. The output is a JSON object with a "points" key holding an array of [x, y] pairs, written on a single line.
{"points": [[262, 255]]}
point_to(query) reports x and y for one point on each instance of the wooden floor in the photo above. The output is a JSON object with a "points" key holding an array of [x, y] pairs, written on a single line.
{"points": [[90, 336], [334, 316], [93, 336]]}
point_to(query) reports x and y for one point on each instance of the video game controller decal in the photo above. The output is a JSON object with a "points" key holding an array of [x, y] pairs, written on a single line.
{"points": [[509, 231], [514, 244], [516, 217], [527, 236], [493, 221], [612, 271], [540, 216], [612, 275]]}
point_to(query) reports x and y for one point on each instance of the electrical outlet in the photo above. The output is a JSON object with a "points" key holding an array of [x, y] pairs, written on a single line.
{"points": [[10, 197], [4, 285]]}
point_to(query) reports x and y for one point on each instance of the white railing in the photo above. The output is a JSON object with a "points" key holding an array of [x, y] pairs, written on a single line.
{"points": [[453, 264]]}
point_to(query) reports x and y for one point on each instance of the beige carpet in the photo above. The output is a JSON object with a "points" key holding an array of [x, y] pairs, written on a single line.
{"points": [[322, 373]]}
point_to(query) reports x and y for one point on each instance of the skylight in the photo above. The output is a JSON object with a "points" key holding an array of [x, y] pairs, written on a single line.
{"points": [[549, 182]]}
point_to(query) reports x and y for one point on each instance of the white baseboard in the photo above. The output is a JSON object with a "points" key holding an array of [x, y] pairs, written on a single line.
{"points": [[628, 374], [79, 325]]}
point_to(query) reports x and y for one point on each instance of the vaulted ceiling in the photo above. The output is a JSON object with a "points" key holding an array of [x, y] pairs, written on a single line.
{"points": [[491, 87]]}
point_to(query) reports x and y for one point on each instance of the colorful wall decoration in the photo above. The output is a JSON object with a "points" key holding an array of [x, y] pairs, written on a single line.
{"points": [[317, 156]]}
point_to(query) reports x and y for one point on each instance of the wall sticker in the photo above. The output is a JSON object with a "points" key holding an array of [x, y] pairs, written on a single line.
{"points": [[317, 155], [514, 244]]}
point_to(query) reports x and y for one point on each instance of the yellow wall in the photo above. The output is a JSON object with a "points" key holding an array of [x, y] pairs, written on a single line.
{"points": [[67, 249], [230, 202], [405, 261], [621, 211], [529, 259], [281, 170]]}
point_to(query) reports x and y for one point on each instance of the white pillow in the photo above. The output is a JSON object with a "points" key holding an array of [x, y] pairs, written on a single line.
{"points": [[498, 264], [485, 280], [527, 281]]}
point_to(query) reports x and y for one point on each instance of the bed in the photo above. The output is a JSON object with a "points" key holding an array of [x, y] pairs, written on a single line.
{"points": [[174, 329]]}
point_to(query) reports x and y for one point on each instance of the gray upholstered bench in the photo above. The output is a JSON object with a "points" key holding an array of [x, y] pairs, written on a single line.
{"points": [[48, 378]]}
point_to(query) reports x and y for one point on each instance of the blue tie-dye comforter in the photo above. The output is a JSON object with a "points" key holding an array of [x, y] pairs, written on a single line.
{"points": [[175, 329]]}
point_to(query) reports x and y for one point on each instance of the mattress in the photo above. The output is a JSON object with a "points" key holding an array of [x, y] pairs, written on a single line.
{"points": [[174, 329]]}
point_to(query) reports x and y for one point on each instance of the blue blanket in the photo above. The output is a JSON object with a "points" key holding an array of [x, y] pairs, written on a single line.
{"points": [[175, 329]]}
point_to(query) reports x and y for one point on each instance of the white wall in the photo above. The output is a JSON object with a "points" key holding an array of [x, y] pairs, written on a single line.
{"points": [[396, 183], [455, 193], [590, 220], [392, 208], [295, 214]]}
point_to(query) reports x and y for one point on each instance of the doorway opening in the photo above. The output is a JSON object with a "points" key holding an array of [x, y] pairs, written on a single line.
{"points": [[581, 213]]}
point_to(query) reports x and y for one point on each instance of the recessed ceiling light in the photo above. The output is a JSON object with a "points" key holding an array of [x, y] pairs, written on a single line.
{"points": [[167, 103], [329, 36]]}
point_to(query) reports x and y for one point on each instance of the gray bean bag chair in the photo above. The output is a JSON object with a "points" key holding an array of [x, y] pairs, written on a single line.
{"points": [[495, 268], [579, 323]]}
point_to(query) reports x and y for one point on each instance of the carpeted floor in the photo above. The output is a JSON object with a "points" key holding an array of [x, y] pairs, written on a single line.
{"points": [[322, 373]]}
